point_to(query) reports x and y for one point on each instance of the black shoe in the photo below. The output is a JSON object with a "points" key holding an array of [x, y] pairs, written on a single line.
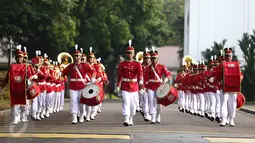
{"points": [[146, 120], [217, 119], [212, 119], [182, 110], [153, 122], [206, 115], [125, 124], [222, 125]]}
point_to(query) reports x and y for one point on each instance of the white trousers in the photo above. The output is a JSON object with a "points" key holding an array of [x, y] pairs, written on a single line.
{"points": [[207, 102], [35, 106], [129, 103], [50, 100], [42, 102], [218, 104], [154, 107], [187, 100], [181, 99], [229, 105], [62, 103], [193, 102], [201, 102], [145, 102], [75, 106], [57, 100], [140, 99], [221, 100], [212, 97]]}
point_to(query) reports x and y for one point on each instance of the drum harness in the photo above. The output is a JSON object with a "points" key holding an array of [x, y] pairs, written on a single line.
{"points": [[78, 71], [154, 71]]}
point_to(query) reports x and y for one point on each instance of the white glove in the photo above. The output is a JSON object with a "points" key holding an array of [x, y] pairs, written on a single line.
{"points": [[117, 89], [99, 79], [142, 91], [93, 80], [211, 80], [217, 92], [176, 85], [165, 80], [140, 82]]}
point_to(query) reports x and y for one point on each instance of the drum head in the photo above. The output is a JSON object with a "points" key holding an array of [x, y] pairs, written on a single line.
{"points": [[90, 91], [163, 90]]}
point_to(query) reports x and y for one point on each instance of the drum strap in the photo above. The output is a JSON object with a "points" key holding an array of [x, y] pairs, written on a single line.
{"points": [[78, 71], [154, 71]]}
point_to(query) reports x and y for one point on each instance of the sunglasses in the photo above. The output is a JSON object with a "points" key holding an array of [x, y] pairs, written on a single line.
{"points": [[129, 52]]}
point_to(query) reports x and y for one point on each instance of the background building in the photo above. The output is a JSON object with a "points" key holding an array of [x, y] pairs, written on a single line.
{"points": [[207, 21]]}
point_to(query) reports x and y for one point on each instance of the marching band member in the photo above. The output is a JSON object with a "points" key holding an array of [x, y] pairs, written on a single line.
{"points": [[128, 73], [229, 99], [16, 77], [62, 87], [146, 63], [201, 83], [84, 60], [218, 92], [154, 76], [187, 85], [57, 99], [179, 86], [35, 101], [78, 80], [105, 83]]}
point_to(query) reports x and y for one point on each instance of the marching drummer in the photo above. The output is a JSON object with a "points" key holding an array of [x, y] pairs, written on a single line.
{"points": [[145, 105], [230, 90], [78, 81], [128, 73], [154, 76]]}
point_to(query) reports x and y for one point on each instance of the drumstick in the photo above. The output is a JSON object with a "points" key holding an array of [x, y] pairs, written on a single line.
{"points": [[162, 86]]}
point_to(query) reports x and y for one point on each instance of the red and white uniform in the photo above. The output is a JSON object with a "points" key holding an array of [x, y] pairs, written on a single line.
{"points": [[76, 83], [129, 73], [154, 75]]}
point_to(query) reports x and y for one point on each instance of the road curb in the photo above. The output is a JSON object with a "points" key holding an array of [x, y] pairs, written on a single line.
{"points": [[5, 112], [248, 110]]}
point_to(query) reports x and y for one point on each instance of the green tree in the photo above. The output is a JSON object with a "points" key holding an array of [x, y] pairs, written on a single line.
{"points": [[247, 45], [216, 50]]}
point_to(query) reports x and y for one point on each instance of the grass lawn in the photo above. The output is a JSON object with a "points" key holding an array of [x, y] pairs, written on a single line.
{"points": [[107, 96], [4, 95]]}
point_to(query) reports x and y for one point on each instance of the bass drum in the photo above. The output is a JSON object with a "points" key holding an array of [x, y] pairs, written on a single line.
{"points": [[166, 94], [32, 91], [240, 100], [92, 95]]}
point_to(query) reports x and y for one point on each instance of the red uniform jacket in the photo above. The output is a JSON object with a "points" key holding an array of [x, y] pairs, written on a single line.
{"points": [[153, 81], [16, 77], [128, 73], [145, 71], [179, 80], [75, 80]]}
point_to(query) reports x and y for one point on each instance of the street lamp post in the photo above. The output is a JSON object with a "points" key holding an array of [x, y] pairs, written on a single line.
{"points": [[10, 53]]}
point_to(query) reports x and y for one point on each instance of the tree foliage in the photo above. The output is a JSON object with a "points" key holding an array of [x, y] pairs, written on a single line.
{"points": [[216, 50], [247, 45], [105, 25]]}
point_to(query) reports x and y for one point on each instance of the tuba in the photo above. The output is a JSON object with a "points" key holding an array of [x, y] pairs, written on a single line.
{"points": [[139, 57], [187, 60], [65, 59]]}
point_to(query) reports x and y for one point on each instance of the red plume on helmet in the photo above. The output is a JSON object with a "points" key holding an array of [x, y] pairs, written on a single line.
{"points": [[146, 53]]}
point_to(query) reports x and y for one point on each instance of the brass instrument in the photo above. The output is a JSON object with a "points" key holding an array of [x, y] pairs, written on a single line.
{"points": [[139, 57], [187, 60], [65, 59]]}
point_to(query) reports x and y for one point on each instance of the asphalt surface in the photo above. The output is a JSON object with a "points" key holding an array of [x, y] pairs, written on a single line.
{"points": [[174, 127]]}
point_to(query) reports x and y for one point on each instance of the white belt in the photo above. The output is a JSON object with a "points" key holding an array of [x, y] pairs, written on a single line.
{"points": [[57, 85], [53, 84], [48, 83], [154, 80], [129, 80], [75, 79], [41, 83]]}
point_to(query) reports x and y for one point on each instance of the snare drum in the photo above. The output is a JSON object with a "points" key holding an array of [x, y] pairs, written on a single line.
{"points": [[32, 91], [166, 94], [92, 95]]}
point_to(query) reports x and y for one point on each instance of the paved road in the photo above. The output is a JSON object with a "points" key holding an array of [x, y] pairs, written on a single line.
{"points": [[108, 127]]}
